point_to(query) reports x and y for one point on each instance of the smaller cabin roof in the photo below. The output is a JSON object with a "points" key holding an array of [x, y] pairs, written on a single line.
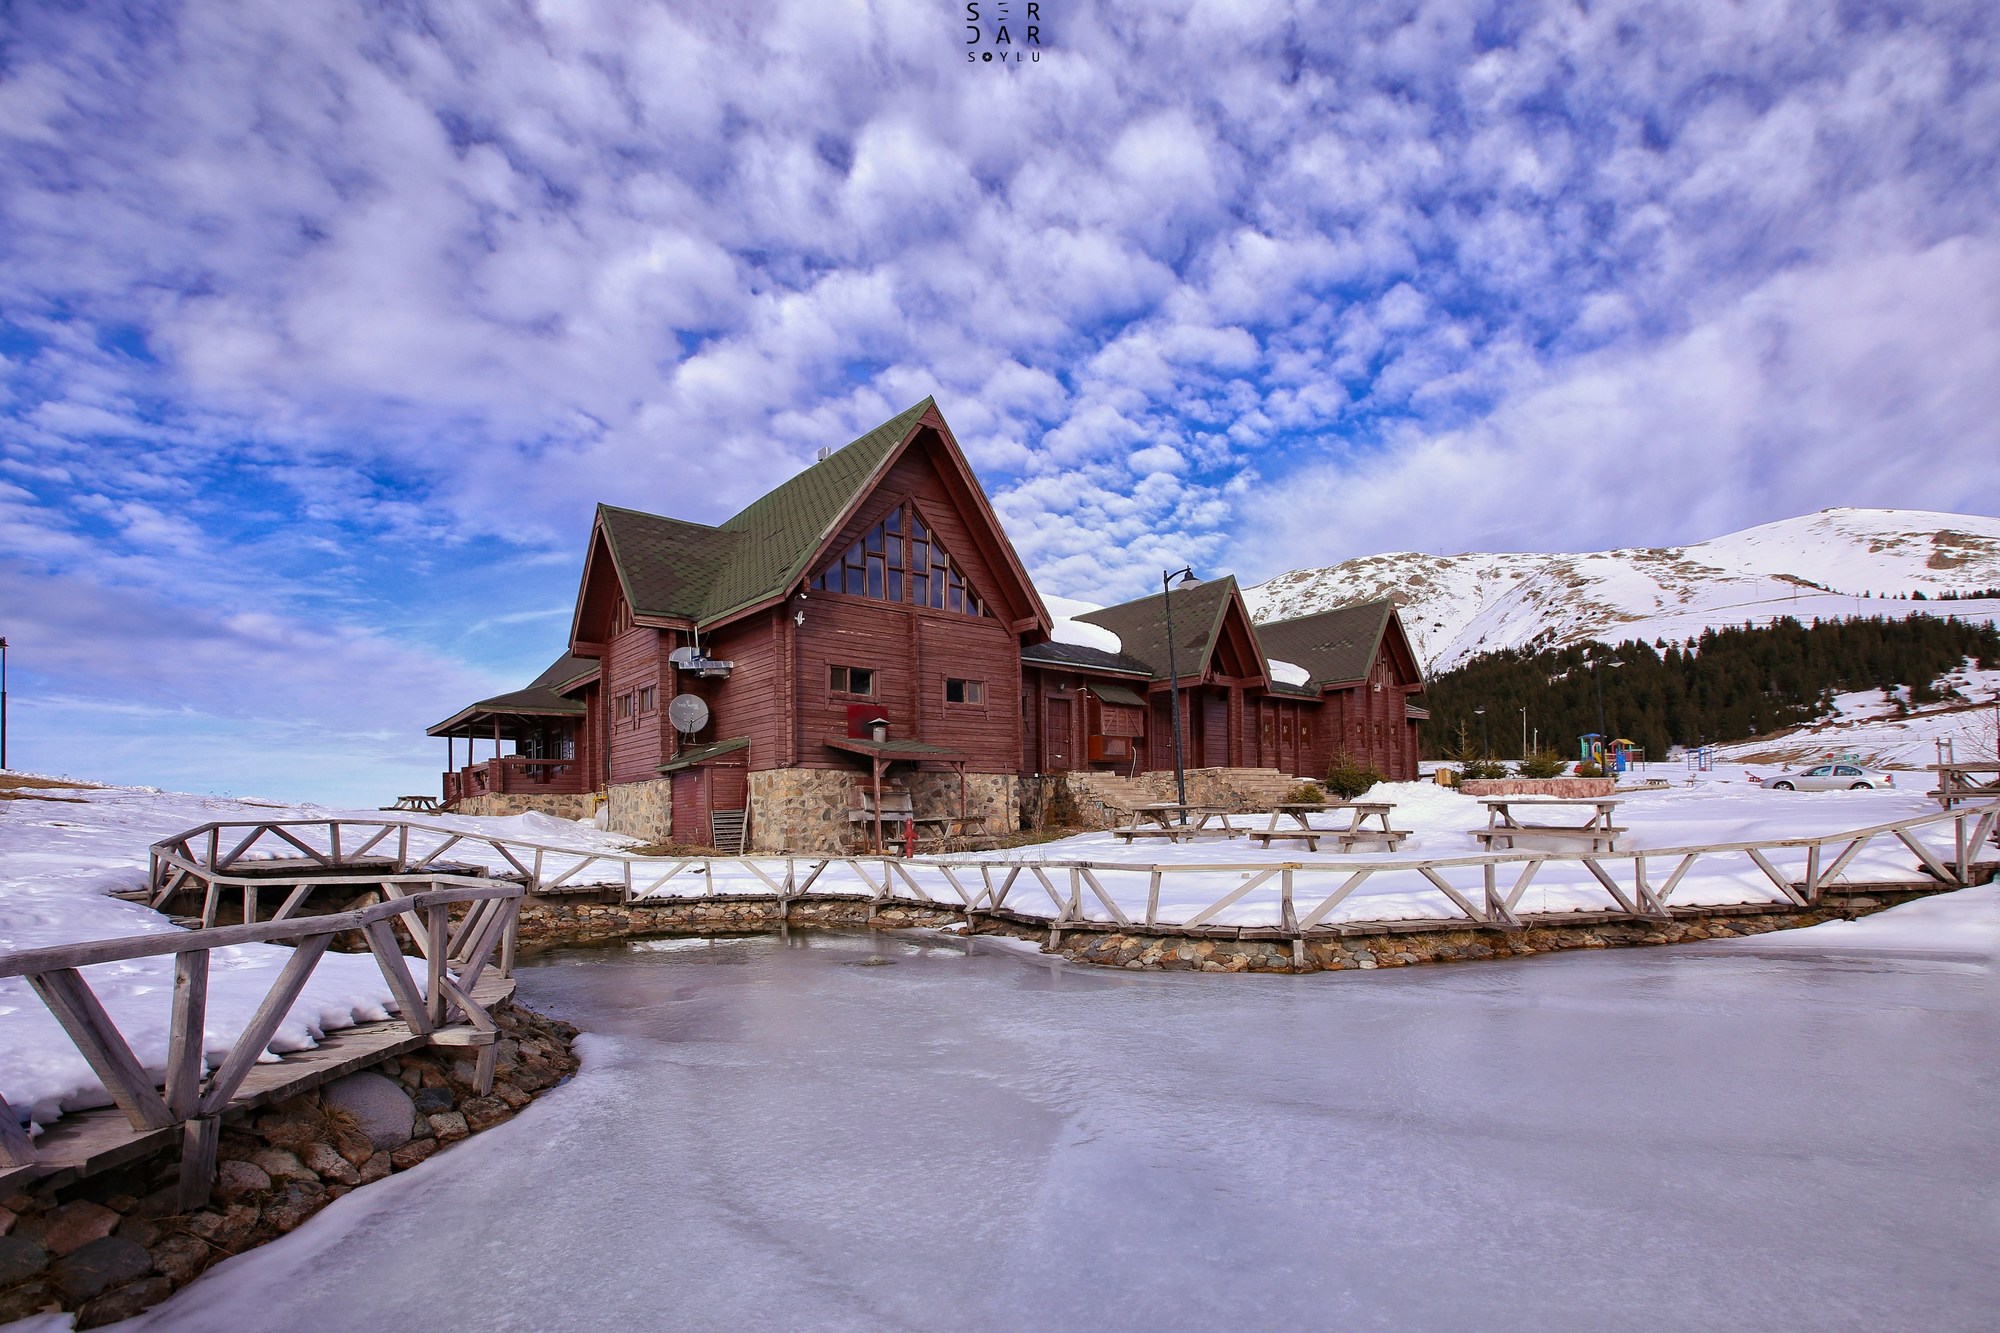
{"points": [[1199, 610], [1078, 657], [701, 754], [1336, 647], [539, 699], [1114, 694]]}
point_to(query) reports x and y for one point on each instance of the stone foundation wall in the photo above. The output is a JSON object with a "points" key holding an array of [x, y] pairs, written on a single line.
{"points": [[641, 809], [1581, 788], [1106, 800], [805, 810], [593, 917], [566, 805]]}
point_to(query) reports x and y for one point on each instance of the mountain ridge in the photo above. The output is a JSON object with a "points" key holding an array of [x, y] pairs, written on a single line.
{"points": [[1830, 564]]}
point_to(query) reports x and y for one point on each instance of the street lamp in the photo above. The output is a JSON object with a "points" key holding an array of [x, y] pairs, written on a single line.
{"points": [[1524, 731], [1485, 750], [3, 703], [1186, 575]]}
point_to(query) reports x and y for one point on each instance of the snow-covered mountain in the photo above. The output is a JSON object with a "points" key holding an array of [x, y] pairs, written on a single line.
{"points": [[1819, 565]]}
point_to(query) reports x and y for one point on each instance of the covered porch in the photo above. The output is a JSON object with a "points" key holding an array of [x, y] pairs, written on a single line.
{"points": [[888, 816], [541, 725]]}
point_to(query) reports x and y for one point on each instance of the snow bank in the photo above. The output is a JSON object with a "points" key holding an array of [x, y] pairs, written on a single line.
{"points": [[64, 850], [1287, 673]]}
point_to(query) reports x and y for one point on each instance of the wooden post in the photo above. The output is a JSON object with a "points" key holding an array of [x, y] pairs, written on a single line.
{"points": [[875, 765], [184, 1040], [199, 1138], [16, 1148]]}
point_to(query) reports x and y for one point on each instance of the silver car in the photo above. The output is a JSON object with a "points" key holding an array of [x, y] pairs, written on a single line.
{"points": [[1836, 776]]}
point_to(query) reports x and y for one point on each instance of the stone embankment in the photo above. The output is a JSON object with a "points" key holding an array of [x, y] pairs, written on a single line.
{"points": [[113, 1245], [586, 918]]}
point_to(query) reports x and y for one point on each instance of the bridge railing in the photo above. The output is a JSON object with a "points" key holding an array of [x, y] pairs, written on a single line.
{"points": [[454, 956], [1288, 897]]}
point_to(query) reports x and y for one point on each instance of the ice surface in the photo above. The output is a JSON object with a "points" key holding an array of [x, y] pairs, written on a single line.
{"points": [[765, 1135]]}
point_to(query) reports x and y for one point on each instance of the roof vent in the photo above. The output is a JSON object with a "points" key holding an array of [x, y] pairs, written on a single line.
{"points": [[825, 452]]}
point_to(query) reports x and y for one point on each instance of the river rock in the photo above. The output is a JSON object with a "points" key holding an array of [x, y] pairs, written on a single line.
{"points": [[449, 1126], [73, 1226], [20, 1259], [108, 1262], [410, 1154], [282, 1165], [331, 1165], [433, 1100], [375, 1168], [180, 1257], [237, 1178], [383, 1110], [125, 1302]]}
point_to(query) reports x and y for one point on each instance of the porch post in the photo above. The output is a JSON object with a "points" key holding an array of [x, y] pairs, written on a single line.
{"points": [[875, 764]]}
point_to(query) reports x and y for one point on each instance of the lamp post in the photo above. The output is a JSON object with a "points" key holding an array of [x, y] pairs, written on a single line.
{"points": [[1485, 750], [3, 703], [1524, 732], [1186, 575]]}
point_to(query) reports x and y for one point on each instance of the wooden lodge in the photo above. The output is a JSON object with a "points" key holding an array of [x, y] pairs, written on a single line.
{"points": [[860, 658]]}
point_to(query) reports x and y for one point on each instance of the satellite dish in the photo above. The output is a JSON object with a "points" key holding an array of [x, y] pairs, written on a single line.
{"points": [[688, 713]]}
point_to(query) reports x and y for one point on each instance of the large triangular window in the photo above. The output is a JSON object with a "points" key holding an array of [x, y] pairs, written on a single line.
{"points": [[900, 560]]}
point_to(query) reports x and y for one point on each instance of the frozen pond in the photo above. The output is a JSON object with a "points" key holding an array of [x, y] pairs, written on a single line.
{"points": [[770, 1134]]}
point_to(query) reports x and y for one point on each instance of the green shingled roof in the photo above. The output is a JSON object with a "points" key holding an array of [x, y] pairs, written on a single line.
{"points": [[1141, 626], [672, 568], [1335, 646]]}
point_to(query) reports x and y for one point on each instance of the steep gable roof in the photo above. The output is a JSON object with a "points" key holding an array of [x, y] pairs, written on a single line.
{"points": [[1336, 647], [1141, 626], [672, 568]]}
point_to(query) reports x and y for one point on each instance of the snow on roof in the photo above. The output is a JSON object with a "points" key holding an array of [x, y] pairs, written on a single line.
{"points": [[1287, 673], [1073, 631]]}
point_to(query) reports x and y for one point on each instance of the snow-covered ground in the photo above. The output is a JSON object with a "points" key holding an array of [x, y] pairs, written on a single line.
{"points": [[64, 850], [1817, 565], [1884, 735], [63, 853]]}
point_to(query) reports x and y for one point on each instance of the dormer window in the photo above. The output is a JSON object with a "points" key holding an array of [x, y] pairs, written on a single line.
{"points": [[900, 560]]}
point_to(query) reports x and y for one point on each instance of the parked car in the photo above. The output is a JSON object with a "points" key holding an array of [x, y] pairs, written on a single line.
{"points": [[1836, 776]]}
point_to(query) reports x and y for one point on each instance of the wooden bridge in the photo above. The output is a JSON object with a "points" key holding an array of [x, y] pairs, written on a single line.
{"points": [[467, 968]]}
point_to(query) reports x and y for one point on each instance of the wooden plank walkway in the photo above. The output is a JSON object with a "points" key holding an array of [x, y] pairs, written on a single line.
{"points": [[86, 1143]]}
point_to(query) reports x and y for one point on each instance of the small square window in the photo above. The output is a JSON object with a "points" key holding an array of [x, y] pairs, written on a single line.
{"points": [[851, 680], [964, 691]]}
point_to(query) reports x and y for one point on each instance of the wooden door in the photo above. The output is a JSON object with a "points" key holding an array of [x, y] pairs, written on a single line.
{"points": [[1061, 735], [690, 808], [1214, 730]]}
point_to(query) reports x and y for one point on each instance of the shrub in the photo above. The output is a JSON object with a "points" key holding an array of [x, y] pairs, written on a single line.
{"points": [[1305, 793], [1348, 778], [1478, 769], [1542, 764], [1589, 771]]}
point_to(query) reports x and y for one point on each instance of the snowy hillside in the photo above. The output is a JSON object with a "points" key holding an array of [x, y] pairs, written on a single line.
{"points": [[1818, 565]]}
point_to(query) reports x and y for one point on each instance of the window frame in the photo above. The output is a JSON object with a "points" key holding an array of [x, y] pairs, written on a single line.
{"points": [[973, 692], [840, 680]]}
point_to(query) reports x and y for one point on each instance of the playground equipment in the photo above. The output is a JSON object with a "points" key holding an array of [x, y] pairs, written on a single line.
{"points": [[1623, 755]]}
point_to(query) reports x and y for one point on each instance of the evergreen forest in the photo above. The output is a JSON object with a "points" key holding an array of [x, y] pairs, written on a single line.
{"points": [[1730, 684]]}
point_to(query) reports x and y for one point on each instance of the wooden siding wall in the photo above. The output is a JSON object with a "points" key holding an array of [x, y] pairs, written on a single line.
{"points": [[633, 660], [1370, 724]]}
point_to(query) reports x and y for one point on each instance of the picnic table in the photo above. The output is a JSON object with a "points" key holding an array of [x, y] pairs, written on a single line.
{"points": [[1172, 821], [1504, 826], [1356, 830], [425, 805]]}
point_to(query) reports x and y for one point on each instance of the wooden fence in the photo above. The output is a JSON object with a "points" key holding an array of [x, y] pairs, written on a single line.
{"points": [[441, 1010]]}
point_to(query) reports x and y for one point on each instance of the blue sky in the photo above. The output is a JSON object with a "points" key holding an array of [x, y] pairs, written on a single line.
{"points": [[323, 326]]}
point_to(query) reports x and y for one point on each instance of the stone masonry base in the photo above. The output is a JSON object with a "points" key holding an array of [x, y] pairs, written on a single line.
{"points": [[590, 917], [565, 805]]}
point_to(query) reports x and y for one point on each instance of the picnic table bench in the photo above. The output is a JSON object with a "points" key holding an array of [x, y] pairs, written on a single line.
{"points": [[1504, 827], [425, 805], [1356, 830], [899, 814], [1172, 821]]}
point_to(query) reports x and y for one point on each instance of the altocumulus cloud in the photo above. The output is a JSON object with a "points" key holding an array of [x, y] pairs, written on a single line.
{"points": [[322, 326]]}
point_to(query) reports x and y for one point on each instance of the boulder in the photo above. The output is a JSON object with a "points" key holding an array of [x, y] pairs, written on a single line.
{"points": [[237, 1178], [108, 1262], [282, 1165], [382, 1110], [123, 1303], [20, 1260], [180, 1257], [75, 1225], [330, 1165]]}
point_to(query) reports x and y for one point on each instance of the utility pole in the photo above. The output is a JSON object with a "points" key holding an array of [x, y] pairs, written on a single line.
{"points": [[1186, 575]]}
